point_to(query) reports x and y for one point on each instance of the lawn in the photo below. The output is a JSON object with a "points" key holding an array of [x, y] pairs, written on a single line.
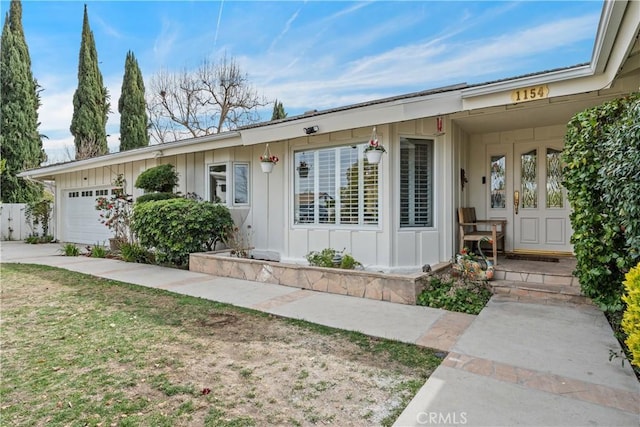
{"points": [[80, 350]]}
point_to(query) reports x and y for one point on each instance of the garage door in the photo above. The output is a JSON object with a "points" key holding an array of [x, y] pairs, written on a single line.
{"points": [[81, 219]]}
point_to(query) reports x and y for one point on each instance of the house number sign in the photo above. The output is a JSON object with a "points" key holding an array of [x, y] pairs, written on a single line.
{"points": [[530, 93]]}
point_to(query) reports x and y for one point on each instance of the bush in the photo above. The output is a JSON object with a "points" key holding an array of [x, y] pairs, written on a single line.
{"points": [[161, 179], [325, 258], [455, 295], [69, 249], [35, 239], [602, 176], [178, 227], [133, 252], [631, 317], [39, 212], [97, 251], [150, 197]]}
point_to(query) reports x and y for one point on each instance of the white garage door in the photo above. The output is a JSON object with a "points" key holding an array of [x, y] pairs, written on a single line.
{"points": [[81, 219]]}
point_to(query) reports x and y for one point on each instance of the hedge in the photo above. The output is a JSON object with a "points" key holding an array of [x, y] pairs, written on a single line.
{"points": [[177, 227]]}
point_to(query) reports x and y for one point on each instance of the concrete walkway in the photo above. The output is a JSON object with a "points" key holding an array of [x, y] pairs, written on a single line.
{"points": [[514, 364]]}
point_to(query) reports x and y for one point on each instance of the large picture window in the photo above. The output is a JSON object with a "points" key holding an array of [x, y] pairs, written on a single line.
{"points": [[335, 186], [416, 182]]}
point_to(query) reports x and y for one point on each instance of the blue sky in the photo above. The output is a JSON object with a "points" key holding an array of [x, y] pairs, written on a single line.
{"points": [[309, 55]]}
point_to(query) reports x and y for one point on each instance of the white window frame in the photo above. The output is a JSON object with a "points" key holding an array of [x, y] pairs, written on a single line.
{"points": [[434, 175], [247, 165], [230, 168], [361, 225], [208, 182]]}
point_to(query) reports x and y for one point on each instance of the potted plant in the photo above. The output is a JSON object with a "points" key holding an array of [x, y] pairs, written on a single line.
{"points": [[374, 150], [268, 160], [303, 169], [472, 267]]}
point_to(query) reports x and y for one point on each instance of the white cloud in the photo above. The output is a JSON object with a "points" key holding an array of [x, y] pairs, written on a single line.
{"points": [[164, 43], [430, 63]]}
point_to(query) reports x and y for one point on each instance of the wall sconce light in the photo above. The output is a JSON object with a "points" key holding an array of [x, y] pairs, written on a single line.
{"points": [[311, 129]]}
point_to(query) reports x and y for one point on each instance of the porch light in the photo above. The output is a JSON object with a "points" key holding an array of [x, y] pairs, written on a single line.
{"points": [[311, 129]]}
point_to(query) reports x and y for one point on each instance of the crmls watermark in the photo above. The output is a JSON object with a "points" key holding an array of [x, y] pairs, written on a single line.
{"points": [[441, 418]]}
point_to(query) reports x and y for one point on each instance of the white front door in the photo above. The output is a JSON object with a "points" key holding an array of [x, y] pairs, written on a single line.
{"points": [[524, 187]]}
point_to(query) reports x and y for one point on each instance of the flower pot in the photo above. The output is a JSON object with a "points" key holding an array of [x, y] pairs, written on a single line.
{"points": [[267, 167], [374, 156], [303, 171]]}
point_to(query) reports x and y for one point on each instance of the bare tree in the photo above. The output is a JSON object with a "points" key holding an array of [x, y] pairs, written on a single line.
{"points": [[214, 98]]}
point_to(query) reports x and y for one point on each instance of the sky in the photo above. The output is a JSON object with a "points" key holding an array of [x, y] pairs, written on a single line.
{"points": [[307, 54]]}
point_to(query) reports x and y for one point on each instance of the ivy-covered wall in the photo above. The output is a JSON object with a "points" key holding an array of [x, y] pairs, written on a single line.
{"points": [[602, 176]]}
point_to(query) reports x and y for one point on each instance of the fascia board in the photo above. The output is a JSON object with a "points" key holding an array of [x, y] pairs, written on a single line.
{"points": [[551, 77], [619, 24], [610, 20], [391, 112], [150, 152]]}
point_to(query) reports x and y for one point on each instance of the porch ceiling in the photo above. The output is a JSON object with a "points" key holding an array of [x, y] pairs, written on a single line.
{"points": [[549, 112]]}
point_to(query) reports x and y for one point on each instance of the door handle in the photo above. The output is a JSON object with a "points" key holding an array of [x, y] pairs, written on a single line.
{"points": [[516, 200]]}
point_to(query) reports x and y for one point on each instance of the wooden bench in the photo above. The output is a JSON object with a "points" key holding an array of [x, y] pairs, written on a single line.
{"points": [[473, 230]]}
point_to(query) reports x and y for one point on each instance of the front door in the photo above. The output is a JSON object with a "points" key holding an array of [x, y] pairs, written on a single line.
{"points": [[525, 187]]}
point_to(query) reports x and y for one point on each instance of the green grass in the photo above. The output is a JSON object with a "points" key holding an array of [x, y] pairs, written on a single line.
{"points": [[80, 350]]}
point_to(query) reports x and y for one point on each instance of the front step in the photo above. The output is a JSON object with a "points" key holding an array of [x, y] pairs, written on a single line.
{"points": [[538, 287]]}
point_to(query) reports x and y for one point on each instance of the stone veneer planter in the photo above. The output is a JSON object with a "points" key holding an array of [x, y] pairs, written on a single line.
{"points": [[397, 288]]}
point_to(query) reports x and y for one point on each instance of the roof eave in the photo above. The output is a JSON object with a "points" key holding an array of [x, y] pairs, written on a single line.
{"points": [[149, 152]]}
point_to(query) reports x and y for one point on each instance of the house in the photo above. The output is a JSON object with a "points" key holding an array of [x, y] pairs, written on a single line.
{"points": [[494, 146]]}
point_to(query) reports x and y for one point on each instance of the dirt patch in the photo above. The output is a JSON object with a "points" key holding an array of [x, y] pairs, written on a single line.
{"points": [[82, 348]]}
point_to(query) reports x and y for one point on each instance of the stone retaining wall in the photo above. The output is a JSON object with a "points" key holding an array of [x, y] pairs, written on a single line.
{"points": [[396, 288]]}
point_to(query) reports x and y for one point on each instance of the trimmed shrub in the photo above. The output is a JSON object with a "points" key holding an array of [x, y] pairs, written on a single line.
{"points": [[162, 179], [149, 197], [631, 317], [177, 227]]}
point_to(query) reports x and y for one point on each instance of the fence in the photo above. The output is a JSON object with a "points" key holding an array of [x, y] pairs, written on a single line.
{"points": [[14, 224]]}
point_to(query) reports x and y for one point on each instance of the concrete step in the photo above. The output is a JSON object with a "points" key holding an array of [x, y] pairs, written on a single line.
{"points": [[534, 291]]}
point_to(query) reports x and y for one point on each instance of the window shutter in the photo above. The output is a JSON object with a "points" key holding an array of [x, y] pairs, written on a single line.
{"points": [[340, 188], [416, 183]]}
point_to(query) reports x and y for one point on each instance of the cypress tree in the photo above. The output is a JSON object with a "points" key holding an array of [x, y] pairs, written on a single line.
{"points": [[20, 141], [278, 111], [90, 101], [132, 107]]}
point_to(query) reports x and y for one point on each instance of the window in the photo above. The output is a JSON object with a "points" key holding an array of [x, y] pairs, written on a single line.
{"points": [[241, 183], [497, 177], [416, 182], [335, 186], [221, 188], [218, 183]]}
